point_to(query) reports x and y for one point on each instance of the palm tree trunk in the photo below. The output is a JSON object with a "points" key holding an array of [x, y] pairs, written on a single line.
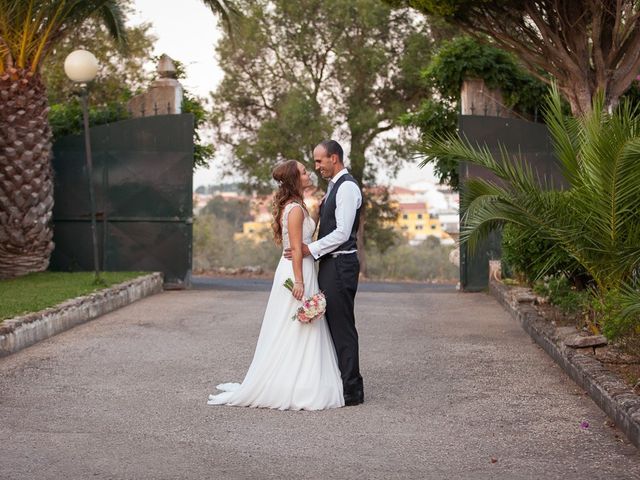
{"points": [[26, 187]]}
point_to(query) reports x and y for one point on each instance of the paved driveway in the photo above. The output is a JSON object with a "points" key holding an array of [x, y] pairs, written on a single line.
{"points": [[454, 390]]}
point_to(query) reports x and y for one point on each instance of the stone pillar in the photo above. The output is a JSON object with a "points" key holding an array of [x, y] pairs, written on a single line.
{"points": [[164, 95], [477, 99]]}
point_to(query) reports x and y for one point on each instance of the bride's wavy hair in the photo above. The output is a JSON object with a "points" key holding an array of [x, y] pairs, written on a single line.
{"points": [[288, 177]]}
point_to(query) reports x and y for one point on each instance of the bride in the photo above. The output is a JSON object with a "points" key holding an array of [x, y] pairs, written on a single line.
{"points": [[294, 366]]}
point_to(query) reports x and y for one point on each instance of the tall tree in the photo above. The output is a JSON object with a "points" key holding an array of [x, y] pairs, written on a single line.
{"points": [[300, 71], [29, 32], [587, 45]]}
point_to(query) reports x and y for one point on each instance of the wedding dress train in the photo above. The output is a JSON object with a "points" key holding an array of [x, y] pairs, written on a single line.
{"points": [[294, 366]]}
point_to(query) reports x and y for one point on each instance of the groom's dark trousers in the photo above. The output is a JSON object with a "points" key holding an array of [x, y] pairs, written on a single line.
{"points": [[338, 279]]}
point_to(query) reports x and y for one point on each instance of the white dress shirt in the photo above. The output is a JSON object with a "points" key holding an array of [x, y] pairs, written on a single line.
{"points": [[348, 200]]}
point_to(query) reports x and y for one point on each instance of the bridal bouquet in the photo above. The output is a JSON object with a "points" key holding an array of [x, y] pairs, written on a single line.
{"points": [[312, 307]]}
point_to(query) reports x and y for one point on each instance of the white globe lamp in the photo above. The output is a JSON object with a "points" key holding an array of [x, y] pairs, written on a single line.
{"points": [[81, 66]]}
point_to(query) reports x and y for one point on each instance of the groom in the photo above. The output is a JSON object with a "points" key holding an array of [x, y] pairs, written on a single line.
{"points": [[339, 266]]}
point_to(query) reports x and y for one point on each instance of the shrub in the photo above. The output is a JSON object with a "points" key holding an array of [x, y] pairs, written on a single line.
{"points": [[618, 312], [529, 257], [559, 291]]}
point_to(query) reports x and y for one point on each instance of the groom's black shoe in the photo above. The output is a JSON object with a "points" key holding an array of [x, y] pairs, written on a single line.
{"points": [[355, 399]]}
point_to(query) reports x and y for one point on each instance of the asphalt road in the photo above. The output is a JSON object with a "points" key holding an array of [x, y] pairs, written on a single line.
{"points": [[454, 390]]}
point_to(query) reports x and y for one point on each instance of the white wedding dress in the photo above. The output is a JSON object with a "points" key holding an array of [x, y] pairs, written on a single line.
{"points": [[294, 366]]}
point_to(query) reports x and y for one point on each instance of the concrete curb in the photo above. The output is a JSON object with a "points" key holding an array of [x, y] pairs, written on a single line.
{"points": [[20, 332], [609, 392]]}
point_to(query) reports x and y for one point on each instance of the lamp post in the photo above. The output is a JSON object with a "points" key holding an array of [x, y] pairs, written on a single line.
{"points": [[81, 67]]}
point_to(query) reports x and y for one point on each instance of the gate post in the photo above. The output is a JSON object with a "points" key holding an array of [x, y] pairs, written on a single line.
{"points": [[164, 95]]}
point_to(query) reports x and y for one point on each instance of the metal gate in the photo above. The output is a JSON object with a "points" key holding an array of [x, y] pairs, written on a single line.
{"points": [[142, 173], [528, 139]]}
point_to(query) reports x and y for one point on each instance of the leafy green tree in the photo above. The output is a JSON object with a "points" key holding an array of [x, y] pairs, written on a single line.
{"points": [[203, 152], [380, 229], [121, 74], [595, 222], [300, 71], [586, 45]]}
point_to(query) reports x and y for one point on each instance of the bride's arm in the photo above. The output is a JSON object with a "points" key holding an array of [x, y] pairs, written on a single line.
{"points": [[295, 220]]}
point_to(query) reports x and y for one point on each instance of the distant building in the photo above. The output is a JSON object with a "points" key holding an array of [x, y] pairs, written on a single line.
{"points": [[255, 231], [417, 223]]}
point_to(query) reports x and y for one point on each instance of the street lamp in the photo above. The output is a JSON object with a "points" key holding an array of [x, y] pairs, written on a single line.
{"points": [[81, 67]]}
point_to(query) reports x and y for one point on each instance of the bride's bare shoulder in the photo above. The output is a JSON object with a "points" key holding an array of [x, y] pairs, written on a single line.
{"points": [[293, 203]]}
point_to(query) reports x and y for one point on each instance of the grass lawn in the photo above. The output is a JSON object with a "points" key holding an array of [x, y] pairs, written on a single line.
{"points": [[37, 291]]}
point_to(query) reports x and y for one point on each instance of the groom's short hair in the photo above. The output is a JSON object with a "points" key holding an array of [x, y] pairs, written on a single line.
{"points": [[333, 147]]}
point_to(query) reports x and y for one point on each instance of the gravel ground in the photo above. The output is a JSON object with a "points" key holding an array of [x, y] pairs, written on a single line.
{"points": [[454, 390]]}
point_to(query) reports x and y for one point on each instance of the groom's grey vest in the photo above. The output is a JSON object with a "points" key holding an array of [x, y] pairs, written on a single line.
{"points": [[328, 215]]}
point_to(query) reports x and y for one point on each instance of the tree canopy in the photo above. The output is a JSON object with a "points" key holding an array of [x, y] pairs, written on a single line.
{"points": [[586, 45], [299, 72]]}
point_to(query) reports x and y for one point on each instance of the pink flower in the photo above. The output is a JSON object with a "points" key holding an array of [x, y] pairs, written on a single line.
{"points": [[311, 309]]}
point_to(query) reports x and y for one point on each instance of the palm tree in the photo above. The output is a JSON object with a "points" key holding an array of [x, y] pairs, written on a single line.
{"points": [[29, 30], [595, 220]]}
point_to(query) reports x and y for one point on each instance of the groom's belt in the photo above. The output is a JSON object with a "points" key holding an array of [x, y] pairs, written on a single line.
{"points": [[342, 252]]}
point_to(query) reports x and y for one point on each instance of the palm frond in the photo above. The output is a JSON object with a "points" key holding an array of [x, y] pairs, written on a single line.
{"points": [[227, 11], [595, 222], [478, 187], [30, 29], [112, 15], [630, 304], [564, 132]]}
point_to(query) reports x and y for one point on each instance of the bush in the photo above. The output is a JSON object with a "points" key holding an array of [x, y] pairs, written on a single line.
{"points": [[615, 312], [66, 118], [618, 313], [529, 258], [559, 291], [523, 256]]}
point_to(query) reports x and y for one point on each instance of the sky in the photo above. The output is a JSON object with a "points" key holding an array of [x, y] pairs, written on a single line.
{"points": [[188, 31]]}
